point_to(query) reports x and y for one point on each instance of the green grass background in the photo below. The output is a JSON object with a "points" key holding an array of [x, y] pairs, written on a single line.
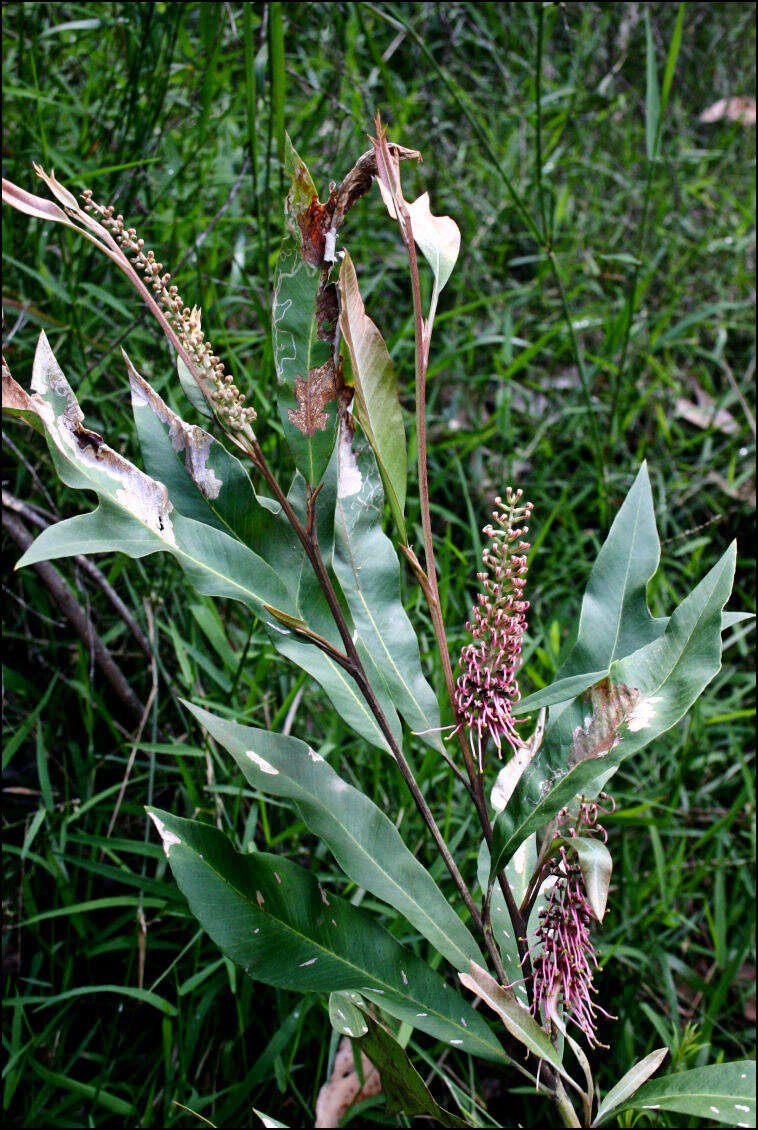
{"points": [[157, 107]]}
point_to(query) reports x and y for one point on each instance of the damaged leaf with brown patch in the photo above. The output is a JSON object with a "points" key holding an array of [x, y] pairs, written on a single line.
{"points": [[610, 705], [312, 397], [305, 215], [135, 515]]}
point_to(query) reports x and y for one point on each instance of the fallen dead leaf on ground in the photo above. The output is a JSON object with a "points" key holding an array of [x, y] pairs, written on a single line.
{"points": [[737, 109], [344, 1088]]}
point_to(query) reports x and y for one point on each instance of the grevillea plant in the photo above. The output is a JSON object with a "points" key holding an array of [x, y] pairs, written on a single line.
{"points": [[318, 563]]}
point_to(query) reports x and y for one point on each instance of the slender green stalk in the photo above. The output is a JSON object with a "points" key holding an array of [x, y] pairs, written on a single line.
{"points": [[534, 228], [538, 117]]}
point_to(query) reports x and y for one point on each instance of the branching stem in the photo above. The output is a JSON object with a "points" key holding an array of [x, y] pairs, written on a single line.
{"points": [[309, 541], [431, 591]]}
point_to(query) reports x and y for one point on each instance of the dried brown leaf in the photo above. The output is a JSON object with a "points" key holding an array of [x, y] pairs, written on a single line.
{"points": [[705, 415], [737, 109], [344, 1087]]}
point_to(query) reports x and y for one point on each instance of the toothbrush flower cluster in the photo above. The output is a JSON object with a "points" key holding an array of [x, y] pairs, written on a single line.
{"points": [[566, 958], [228, 401], [487, 687]]}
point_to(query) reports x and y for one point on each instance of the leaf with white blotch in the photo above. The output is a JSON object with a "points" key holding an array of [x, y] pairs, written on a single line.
{"points": [[368, 571], [203, 480], [404, 1089], [660, 681], [376, 405], [596, 864], [519, 1022], [268, 915], [135, 515], [307, 395], [363, 840], [345, 1016], [721, 1092], [630, 1083]]}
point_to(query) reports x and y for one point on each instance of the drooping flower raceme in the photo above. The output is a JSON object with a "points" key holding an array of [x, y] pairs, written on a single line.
{"points": [[566, 958], [487, 686]]}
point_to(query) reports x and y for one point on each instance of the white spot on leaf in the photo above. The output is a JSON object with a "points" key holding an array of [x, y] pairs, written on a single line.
{"points": [[263, 765], [169, 838], [350, 479], [643, 713]]}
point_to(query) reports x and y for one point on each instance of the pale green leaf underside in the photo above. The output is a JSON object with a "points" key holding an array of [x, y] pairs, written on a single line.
{"points": [[368, 571], [669, 673], [519, 1022], [630, 1083]]}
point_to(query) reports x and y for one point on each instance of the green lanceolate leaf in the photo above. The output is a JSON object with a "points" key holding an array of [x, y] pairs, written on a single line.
{"points": [[192, 390], [645, 694], [630, 1083], [404, 1089], [561, 691], [135, 515], [377, 407], [362, 839], [722, 1092], [304, 364], [274, 920], [519, 1022], [615, 619], [367, 568], [203, 480], [596, 864]]}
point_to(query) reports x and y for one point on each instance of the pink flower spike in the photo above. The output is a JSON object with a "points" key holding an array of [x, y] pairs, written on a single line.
{"points": [[487, 687], [563, 969]]}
